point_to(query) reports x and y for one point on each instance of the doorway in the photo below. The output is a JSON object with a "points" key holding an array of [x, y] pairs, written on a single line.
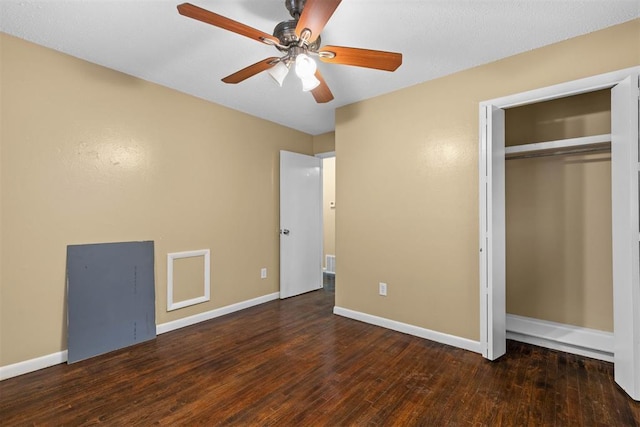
{"points": [[307, 223], [329, 219], [625, 214]]}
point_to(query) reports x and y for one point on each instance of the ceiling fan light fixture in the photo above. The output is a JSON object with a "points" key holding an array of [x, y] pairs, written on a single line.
{"points": [[279, 72], [305, 66], [306, 69], [309, 83]]}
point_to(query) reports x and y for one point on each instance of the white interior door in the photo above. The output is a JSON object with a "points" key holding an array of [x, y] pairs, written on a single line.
{"points": [[625, 173], [300, 224], [492, 234]]}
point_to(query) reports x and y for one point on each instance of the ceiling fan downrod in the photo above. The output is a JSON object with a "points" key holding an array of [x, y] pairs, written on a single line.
{"points": [[295, 7]]}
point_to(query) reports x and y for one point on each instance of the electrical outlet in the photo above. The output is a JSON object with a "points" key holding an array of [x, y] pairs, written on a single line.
{"points": [[263, 273], [382, 289]]}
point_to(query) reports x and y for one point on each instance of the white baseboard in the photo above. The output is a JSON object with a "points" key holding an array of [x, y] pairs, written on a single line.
{"points": [[32, 365], [42, 362], [440, 337], [202, 317], [557, 336]]}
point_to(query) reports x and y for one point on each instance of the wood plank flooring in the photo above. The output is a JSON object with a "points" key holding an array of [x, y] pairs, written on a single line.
{"points": [[294, 363]]}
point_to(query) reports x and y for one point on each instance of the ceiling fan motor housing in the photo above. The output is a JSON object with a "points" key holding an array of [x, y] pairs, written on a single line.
{"points": [[285, 32]]}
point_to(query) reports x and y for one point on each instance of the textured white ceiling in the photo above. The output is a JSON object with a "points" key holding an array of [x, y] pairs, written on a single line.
{"points": [[150, 40]]}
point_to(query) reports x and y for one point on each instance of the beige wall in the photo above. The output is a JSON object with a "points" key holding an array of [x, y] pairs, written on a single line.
{"points": [[558, 222], [408, 182], [92, 155], [324, 143], [570, 117], [188, 278], [328, 212]]}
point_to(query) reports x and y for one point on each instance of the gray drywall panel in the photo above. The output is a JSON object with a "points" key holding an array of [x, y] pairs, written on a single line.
{"points": [[110, 297]]}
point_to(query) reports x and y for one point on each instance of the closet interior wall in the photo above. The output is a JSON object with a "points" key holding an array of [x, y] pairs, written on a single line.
{"points": [[558, 214]]}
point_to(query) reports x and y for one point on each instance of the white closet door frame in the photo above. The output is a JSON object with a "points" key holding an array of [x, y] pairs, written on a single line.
{"points": [[626, 232], [493, 331], [625, 174]]}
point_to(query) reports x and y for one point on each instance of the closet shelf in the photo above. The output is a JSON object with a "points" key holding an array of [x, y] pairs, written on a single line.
{"points": [[563, 146]]}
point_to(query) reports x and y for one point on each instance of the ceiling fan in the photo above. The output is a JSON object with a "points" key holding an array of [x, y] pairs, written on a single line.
{"points": [[298, 40]]}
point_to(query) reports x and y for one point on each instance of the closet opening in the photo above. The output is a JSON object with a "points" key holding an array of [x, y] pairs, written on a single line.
{"points": [[580, 151], [559, 277]]}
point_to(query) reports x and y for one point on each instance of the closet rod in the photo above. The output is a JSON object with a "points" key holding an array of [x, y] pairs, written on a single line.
{"points": [[579, 150]]}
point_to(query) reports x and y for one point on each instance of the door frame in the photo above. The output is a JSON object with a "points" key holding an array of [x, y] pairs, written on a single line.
{"points": [[324, 155], [492, 226]]}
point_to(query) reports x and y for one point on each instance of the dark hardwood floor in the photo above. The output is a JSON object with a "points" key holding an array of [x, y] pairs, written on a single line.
{"points": [[294, 363]]}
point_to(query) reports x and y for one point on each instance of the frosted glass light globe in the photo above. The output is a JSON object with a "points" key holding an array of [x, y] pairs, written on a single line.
{"points": [[305, 66]]}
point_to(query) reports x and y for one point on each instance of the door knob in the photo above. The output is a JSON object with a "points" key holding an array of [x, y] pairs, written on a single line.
{"points": [[285, 232]]}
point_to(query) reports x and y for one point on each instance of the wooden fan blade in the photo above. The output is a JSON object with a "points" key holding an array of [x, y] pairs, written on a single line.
{"points": [[195, 12], [322, 93], [250, 71], [378, 59], [315, 15]]}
